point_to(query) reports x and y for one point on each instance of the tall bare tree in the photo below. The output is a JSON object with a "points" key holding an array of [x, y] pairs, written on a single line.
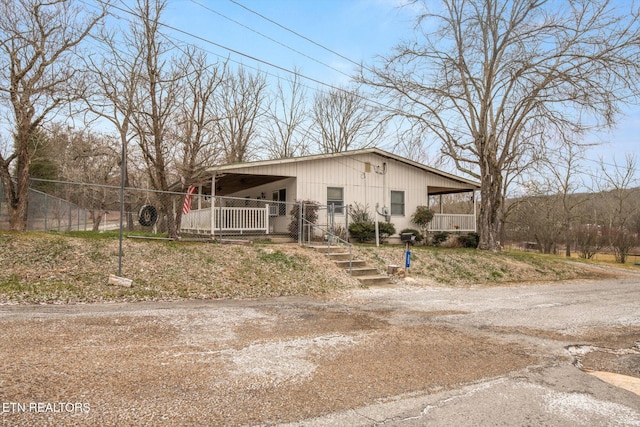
{"points": [[156, 100], [195, 118], [564, 173], [342, 120], [115, 77], [39, 42], [240, 108], [286, 135], [489, 78], [617, 183]]}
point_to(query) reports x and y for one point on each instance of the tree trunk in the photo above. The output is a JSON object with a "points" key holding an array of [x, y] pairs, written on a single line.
{"points": [[567, 234], [490, 199], [19, 204]]}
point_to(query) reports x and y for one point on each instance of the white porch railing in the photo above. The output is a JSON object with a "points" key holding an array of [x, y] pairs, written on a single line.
{"points": [[453, 222], [226, 219]]}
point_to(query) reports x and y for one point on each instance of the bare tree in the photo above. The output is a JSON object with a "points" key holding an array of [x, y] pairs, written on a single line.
{"points": [[617, 184], [38, 75], [195, 118], [84, 156], [285, 137], [563, 171], [343, 121], [240, 107], [156, 100], [538, 217], [115, 78], [490, 78]]}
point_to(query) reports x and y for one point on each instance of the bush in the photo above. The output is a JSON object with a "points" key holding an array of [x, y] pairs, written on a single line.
{"points": [[365, 231], [470, 240], [386, 229], [439, 238], [362, 231], [422, 217], [359, 213], [415, 232]]}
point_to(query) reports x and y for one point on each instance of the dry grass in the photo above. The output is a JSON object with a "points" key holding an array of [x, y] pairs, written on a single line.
{"points": [[52, 268], [49, 268], [465, 267]]}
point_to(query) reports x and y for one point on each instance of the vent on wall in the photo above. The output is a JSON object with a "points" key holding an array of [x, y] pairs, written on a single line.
{"points": [[367, 167]]}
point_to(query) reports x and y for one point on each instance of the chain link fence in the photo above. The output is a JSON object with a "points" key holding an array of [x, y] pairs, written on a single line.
{"points": [[72, 206]]}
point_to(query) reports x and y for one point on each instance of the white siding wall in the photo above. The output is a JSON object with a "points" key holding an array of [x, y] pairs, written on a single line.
{"points": [[360, 186], [365, 188]]}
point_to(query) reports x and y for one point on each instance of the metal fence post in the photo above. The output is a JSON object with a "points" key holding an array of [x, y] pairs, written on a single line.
{"points": [[300, 223]]}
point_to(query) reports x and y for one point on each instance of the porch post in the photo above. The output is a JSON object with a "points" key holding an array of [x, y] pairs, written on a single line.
{"points": [[266, 218], [473, 199], [213, 202]]}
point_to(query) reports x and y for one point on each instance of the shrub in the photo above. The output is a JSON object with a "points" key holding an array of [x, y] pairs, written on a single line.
{"points": [[470, 240], [362, 231], [359, 213], [386, 229], [422, 217], [415, 232], [439, 238]]}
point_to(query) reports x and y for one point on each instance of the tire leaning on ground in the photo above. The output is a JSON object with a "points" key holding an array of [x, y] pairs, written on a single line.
{"points": [[148, 215]]}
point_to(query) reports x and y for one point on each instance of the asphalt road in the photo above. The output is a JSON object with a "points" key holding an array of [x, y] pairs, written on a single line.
{"points": [[400, 356]]}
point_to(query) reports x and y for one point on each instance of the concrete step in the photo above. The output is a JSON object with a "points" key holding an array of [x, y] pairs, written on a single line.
{"points": [[364, 271], [339, 256], [356, 263], [329, 249], [367, 275], [374, 280]]}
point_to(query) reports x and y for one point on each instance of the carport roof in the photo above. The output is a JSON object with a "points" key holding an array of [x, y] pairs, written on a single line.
{"points": [[232, 177]]}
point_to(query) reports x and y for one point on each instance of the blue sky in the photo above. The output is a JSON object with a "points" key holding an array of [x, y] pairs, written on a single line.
{"points": [[357, 29]]}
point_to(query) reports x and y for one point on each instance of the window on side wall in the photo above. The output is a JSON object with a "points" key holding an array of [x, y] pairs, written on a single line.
{"points": [[335, 198], [397, 203]]}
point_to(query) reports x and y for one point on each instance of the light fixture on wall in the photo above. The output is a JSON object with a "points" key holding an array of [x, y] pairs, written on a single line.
{"points": [[262, 195]]}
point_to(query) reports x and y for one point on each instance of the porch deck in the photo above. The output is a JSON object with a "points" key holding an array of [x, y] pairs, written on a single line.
{"points": [[249, 220], [226, 220], [453, 223]]}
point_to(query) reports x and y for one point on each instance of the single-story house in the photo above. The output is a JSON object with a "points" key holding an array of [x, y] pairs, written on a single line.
{"points": [[369, 177]]}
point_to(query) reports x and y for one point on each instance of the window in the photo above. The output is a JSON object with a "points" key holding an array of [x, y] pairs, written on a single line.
{"points": [[335, 198], [280, 196], [397, 203]]}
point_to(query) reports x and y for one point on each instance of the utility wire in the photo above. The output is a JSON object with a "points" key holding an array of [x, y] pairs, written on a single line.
{"points": [[270, 38], [296, 33]]}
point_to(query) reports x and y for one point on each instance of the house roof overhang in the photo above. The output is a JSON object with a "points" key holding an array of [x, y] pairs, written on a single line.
{"points": [[235, 177]]}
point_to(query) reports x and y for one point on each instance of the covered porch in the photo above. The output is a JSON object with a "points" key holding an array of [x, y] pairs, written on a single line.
{"points": [[459, 201], [238, 204]]}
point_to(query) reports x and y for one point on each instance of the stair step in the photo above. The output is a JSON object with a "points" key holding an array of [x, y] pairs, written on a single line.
{"points": [[356, 263], [328, 249], [374, 280], [368, 276], [364, 271], [339, 257]]}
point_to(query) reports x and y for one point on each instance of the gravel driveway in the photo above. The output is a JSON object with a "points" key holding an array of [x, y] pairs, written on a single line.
{"points": [[400, 355]]}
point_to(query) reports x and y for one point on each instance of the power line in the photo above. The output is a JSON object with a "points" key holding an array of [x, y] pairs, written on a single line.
{"points": [[295, 33], [269, 38]]}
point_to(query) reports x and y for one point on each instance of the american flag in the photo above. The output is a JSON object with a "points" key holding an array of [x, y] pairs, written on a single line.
{"points": [[186, 206]]}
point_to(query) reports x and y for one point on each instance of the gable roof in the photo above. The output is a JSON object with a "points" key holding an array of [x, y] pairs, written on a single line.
{"points": [[230, 168]]}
